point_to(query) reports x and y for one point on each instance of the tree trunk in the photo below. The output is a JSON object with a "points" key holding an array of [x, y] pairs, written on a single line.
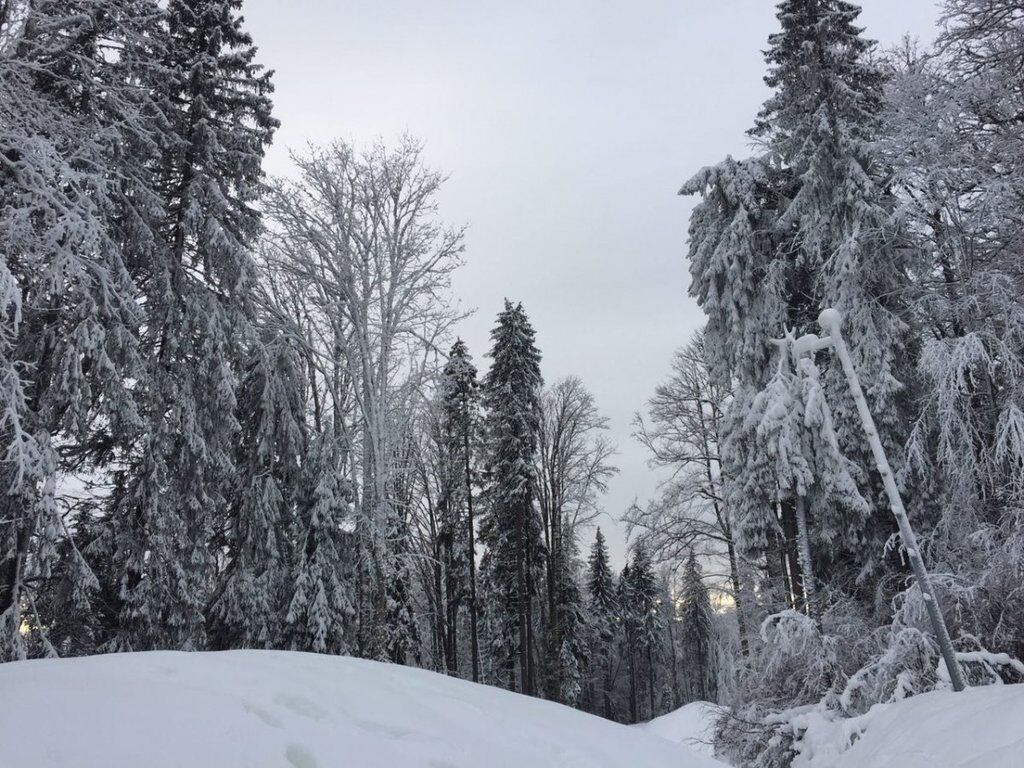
{"points": [[650, 676], [787, 509], [530, 674], [672, 652], [440, 640], [775, 567], [739, 597], [632, 682], [806, 564], [608, 683], [471, 534], [521, 601], [554, 641], [453, 631], [11, 570]]}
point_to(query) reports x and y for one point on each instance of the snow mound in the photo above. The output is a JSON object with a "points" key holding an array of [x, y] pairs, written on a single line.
{"points": [[692, 725], [272, 709], [978, 728]]}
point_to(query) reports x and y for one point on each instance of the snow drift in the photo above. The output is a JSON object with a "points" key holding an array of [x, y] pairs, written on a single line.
{"points": [[981, 727], [692, 725], [270, 709]]}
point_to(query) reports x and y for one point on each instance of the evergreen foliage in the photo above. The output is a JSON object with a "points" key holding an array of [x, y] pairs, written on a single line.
{"points": [[511, 527], [696, 620]]}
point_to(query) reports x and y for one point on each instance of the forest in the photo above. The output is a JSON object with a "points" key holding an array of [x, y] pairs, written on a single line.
{"points": [[236, 412]]}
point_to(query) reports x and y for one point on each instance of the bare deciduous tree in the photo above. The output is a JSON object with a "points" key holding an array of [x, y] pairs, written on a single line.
{"points": [[682, 435], [573, 469], [365, 267]]}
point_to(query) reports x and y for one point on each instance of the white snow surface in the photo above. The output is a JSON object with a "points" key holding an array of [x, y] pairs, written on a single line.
{"points": [[981, 727], [691, 725], [275, 709]]}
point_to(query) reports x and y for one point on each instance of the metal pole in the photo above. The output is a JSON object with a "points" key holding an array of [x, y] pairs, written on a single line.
{"points": [[830, 321]]}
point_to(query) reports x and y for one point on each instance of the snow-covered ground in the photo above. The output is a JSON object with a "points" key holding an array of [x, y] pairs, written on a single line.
{"points": [[692, 725], [978, 728], [266, 709]]}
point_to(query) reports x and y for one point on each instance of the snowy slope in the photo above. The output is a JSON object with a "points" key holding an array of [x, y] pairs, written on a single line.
{"points": [[266, 709], [692, 725], [978, 728]]}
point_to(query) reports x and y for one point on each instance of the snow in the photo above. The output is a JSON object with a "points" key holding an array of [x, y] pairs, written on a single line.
{"points": [[981, 727], [275, 709], [830, 319], [692, 725]]}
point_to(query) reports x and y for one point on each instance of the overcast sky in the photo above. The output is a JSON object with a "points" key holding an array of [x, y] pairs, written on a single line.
{"points": [[567, 127]]}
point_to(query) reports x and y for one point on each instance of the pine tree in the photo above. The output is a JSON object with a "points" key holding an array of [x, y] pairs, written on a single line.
{"points": [[807, 225], [402, 644], [217, 122], [401, 639], [572, 651], [248, 608], [696, 629], [511, 528], [821, 123], [459, 423], [740, 284], [795, 430], [645, 619], [602, 613], [319, 605]]}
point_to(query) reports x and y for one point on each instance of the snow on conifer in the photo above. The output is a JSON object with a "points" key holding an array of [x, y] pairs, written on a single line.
{"points": [[511, 527]]}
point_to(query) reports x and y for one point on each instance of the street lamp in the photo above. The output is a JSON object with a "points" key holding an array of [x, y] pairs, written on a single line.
{"points": [[830, 320]]}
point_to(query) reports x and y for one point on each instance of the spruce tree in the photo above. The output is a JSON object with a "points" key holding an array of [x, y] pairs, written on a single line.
{"points": [[741, 286], [566, 682], [319, 604], [794, 429], [216, 123], [511, 527], [779, 237], [401, 642], [402, 637], [644, 621], [459, 423], [71, 116], [637, 597], [820, 125], [602, 612], [248, 609], [627, 618], [696, 633]]}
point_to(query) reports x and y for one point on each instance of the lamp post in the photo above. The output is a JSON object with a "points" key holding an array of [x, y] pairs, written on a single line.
{"points": [[830, 321]]}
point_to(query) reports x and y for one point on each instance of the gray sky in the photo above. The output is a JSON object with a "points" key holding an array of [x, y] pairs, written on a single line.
{"points": [[567, 127]]}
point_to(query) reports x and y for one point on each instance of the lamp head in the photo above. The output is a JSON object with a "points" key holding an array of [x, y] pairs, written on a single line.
{"points": [[830, 319]]}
